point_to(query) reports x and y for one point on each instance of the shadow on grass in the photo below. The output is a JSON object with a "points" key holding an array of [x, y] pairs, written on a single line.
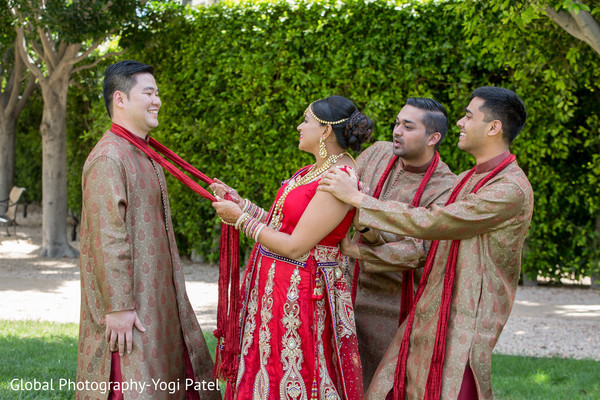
{"points": [[45, 354], [517, 378], [38, 357]]}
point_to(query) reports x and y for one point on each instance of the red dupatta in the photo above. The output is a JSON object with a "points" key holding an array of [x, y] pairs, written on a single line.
{"points": [[229, 271], [408, 277], [433, 387]]}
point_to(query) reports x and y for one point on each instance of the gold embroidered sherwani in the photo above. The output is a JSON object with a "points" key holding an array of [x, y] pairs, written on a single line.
{"points": [[491, 225], [129, 261], [377, 306]]}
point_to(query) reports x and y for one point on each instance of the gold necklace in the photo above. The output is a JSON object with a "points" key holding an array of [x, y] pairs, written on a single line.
{"points": [[310, 176]]}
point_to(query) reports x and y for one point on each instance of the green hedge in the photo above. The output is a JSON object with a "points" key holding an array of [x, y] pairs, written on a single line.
{"points": [[558, 77], [28, 160], [235, 80]]}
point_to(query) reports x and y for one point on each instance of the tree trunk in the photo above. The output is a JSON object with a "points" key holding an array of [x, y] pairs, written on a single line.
{"points": [[8, 129], [54, 167], [13, 96]]}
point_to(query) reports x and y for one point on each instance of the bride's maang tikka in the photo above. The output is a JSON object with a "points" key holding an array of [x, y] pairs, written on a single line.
{"points": [[309, 109]]}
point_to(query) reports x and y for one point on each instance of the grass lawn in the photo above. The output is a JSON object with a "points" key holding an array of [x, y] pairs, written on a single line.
{"points": [[46, 353]]}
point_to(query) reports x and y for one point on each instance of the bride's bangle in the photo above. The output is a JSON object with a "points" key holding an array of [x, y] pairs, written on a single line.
{"points": [[254, 210], [225, 222], [241, 220], [258, 231]]}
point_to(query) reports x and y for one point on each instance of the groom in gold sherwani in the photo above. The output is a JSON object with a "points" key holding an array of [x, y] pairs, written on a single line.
{"points": [[139, 337], [444, 348]]}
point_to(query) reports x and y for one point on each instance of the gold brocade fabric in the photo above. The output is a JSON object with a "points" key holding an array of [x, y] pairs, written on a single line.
{"points": [[492, 226], [129, 260], [377, 306]]}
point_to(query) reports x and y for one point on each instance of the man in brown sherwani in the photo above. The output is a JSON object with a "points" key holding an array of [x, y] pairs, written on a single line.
{"points": [[139, 337], [487, 222], [383, 257]]}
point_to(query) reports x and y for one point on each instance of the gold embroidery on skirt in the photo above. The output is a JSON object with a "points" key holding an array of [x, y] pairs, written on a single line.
{"points": [[328, 390], [250, 325], [343, 305], [261, 383], [292, 385]]}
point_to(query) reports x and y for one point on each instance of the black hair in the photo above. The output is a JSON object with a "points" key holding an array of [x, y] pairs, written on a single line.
{"points": [[436, 117], [504, 105], [121, 76], [355, 128]]}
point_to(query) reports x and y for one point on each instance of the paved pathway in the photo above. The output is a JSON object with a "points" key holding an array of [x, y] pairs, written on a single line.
{"points": [[545, 321]]}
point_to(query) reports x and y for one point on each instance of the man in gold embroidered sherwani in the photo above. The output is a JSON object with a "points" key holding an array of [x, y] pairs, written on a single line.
{"points": [[488, 222], [419, 130], [139, 337]]}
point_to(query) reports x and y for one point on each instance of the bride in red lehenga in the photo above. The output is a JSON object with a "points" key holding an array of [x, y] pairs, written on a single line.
{"points": [[298, 338]]}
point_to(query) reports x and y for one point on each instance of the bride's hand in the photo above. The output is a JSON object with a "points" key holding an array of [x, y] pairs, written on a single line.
{"points": [[228, 211], [220, 189]]}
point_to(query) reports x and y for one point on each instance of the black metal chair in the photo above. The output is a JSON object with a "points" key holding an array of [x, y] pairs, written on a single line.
{"points": [[11, 205]]}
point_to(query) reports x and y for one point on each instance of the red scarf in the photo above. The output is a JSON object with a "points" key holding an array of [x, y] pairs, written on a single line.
{"points": [[408, 277], [229, 272], [434, 379]]}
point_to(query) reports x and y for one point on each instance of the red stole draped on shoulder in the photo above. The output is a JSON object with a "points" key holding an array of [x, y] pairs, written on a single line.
{"points": [[408, 277], [433, 387], [229, 271]]}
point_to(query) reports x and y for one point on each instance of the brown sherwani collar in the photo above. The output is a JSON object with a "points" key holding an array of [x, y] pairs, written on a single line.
{"points": [[491, 164]]}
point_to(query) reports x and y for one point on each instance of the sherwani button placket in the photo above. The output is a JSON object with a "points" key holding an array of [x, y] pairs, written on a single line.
{"points": [[162, 195]]}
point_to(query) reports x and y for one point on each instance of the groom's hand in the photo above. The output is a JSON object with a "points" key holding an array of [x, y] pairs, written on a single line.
{"points": [[343, 185]]}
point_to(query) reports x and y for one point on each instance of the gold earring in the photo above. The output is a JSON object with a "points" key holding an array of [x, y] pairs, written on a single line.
{"points": [[322, 149]]}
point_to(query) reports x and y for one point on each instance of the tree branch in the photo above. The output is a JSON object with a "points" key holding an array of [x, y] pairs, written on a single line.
{"points": [[4, 70], [105, 56], [62, 47], [37, 49], [565, 21], [89, 51], [580, 25], [106, 7], [21, 46], [14, 84], [29, 87], [65, 65], [49, 48], [589, 27]]}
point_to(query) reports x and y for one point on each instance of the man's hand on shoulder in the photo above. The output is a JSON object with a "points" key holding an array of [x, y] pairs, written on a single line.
{"points": [[343, 185], [119, 330]]}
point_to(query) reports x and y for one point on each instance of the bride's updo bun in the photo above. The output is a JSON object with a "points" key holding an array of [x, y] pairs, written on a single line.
{"points": [[351, 127]]}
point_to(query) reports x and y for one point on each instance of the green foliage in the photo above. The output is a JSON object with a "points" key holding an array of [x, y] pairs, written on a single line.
{"points": [[235, 80], [82, 117], [76, 21], [557, 76], [7, 33], [28, 159]]}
